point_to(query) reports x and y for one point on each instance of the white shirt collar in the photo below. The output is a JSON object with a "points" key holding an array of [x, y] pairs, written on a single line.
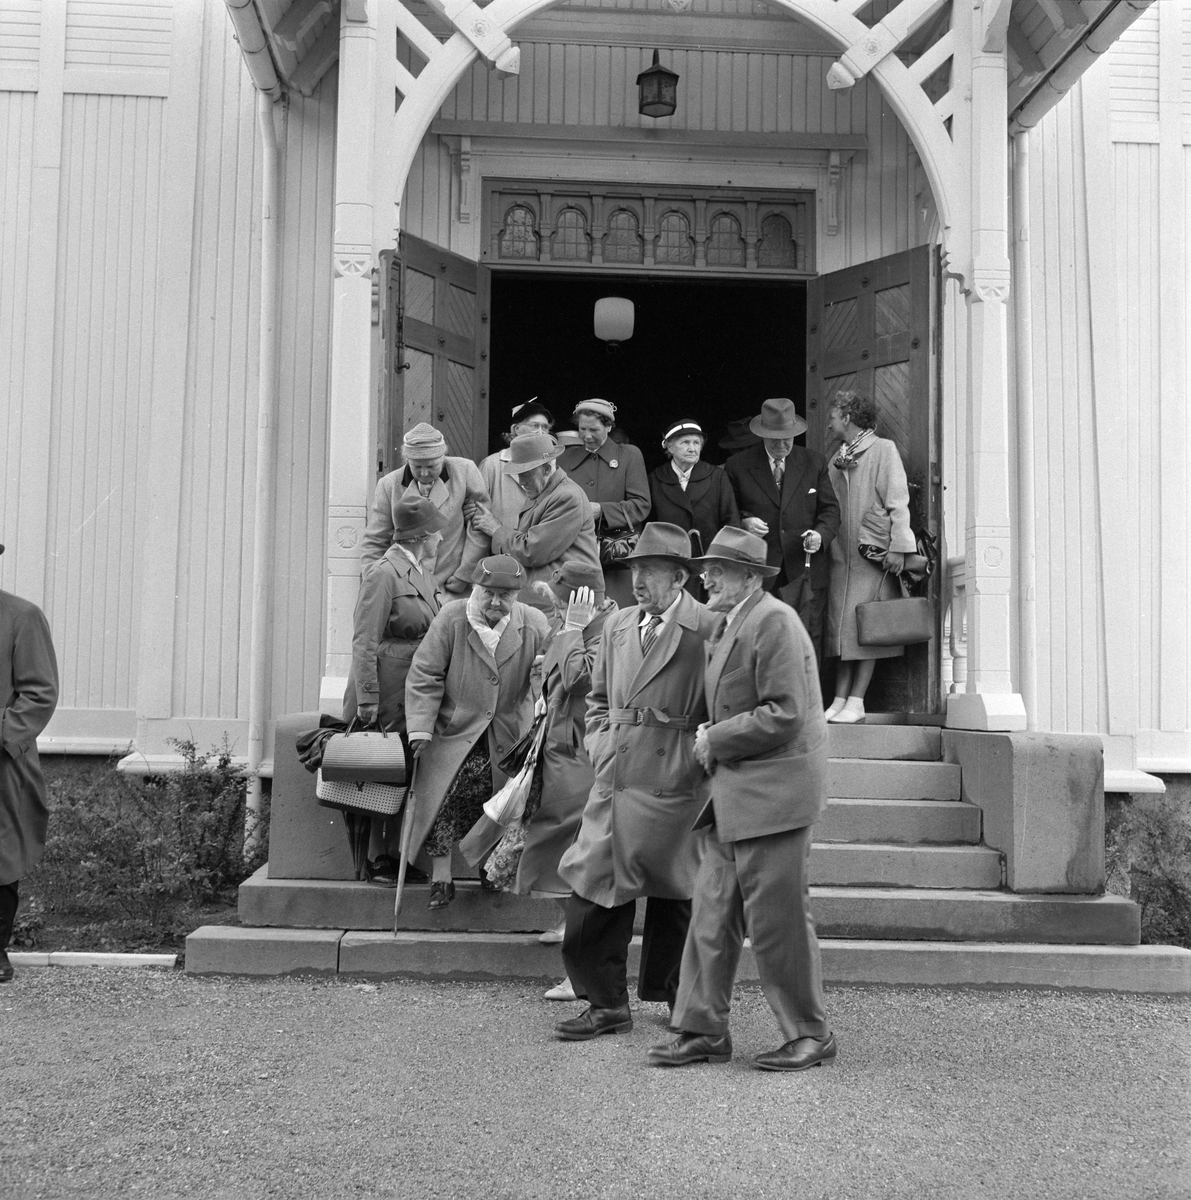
{"points": [[667, 616], [684, 477], [734, 612]]}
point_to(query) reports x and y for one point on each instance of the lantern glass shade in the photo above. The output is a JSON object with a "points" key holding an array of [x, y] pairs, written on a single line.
{"points": [[614, 319], [657, 87]]}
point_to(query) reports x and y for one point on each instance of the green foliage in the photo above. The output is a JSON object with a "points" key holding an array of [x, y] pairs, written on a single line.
{"points": [[144, 851], [1148, 858]]}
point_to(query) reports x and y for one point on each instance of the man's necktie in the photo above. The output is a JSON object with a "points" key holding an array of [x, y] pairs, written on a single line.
{"points": [[779, 467], [649, 634]]}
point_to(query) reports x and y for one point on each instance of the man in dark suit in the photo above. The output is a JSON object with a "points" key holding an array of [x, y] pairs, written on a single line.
{"points": [[764, 745], [785, 496]]}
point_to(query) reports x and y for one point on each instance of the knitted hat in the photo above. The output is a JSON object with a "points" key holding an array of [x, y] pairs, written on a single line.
{"points": [[423, 442]]}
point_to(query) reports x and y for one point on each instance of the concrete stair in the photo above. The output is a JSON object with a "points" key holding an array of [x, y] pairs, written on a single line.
{"points": [[903, 891]]}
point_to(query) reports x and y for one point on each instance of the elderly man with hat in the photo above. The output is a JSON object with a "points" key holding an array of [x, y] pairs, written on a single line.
{"points": [[449, 483], [614, 479], [555, 525], [580, 612], [785, 496], [765, 746], [636, 837], [467, 701], [29, 684], [507, 498]]}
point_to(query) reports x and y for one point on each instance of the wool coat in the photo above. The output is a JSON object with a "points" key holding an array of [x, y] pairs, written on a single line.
{"points": [[456, 691], [461, 547], [807, 501], [556, 526], [29, 686], [707, 505], [636, 837], [507, 497], [567, 775], [767, 733], [396, 603], [877, 482]]}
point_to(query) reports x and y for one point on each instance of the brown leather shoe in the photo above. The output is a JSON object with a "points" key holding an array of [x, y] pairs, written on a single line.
{"points": [[691, 1048], [799, 1054], [594, 1022]]}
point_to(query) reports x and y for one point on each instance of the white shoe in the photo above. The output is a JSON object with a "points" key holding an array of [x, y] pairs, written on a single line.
{"points": [[553, 937], [836, 705], [852, 713], [562, 991]]}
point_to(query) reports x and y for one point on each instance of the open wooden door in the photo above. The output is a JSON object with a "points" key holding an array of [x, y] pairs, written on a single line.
{"points": [[435, 328], [875, 328]]}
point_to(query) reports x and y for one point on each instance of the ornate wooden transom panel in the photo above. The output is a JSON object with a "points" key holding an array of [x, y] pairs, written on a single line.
{"points": [[655, 229]]}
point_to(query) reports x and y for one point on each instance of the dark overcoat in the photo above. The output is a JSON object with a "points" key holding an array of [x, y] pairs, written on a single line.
{"points": [[767, 734], [456, 690], [567, 775], [707, 505], [807, 501], [636, 837], [29, 684]]}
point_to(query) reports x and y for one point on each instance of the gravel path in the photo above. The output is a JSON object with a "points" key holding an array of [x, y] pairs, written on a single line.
{"points": [[142, 1082]]}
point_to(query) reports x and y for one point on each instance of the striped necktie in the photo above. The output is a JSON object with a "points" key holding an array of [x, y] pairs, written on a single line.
{"points": [[649, 634], [779, 467]]}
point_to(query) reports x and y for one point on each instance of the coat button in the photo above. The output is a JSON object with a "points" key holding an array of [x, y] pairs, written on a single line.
{"points": [[623, 749], [661, 750], [500, 749], [657, 791], [488, 715], [495, 680]]}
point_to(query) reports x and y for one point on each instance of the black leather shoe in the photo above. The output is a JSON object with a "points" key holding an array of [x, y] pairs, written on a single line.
{"points": [[441, 894], [6, 971], [594, 1022], [799, 1054], [383, 872], [692, 1048]]}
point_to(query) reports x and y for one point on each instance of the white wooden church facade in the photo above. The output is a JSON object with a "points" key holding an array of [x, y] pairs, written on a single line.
{"points": [[196, 336]]}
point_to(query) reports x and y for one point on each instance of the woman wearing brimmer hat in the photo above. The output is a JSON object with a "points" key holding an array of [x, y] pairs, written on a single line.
{"points": [[614, 479], [690, 493]]}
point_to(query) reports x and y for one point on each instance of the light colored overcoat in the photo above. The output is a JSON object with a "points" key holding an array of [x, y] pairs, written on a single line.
{"points": [[767, 735], [567, 774], [636, 837], [456, 690], [879, 479], [29, 686]]}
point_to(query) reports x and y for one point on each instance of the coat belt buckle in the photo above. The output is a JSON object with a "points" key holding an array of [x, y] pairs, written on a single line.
{"points": [[638, 716]]}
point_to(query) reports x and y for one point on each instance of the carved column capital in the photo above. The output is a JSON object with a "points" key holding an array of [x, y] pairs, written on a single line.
{"points": [[352, 262]]}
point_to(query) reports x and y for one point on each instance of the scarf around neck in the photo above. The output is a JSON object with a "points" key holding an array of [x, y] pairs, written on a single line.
{"points": [[845, 460], [490, 635]]}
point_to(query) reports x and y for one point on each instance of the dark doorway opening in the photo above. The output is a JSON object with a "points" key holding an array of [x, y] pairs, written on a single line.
{"points": [[709, 350]]}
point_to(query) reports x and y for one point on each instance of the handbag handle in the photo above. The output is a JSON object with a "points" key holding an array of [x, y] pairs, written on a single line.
{"points": [[351, 724]]}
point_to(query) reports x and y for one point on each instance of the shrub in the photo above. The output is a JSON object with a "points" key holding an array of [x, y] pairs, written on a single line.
{"points": [[121, 847], [1148, 859]]}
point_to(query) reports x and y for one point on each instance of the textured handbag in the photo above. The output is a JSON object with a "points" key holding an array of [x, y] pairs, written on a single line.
{"points": [[904, 621], [380, 799], [364, 756], [616, 544]]}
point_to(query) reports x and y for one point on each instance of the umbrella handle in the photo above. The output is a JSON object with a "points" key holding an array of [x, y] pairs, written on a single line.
{"points": [[406, 833]]}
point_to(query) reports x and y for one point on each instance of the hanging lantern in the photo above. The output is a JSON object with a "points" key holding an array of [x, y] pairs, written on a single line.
{"points": [[658, 90], [613, 319]]}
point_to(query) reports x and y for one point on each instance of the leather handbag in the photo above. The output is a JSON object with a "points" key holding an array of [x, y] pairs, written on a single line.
{"points": [[904, 621], [616, 544], [364, 756], [379, 799]]}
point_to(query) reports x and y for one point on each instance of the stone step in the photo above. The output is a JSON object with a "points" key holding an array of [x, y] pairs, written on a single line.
{"points": [[884, 779], [919, 742], [879, 864], [934, 914], [232, 950], [938, 822]]}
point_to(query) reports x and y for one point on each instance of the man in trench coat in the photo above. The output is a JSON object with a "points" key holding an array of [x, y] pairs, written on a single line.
{"points": [[29, 682], [636, 836], [765, 745]]}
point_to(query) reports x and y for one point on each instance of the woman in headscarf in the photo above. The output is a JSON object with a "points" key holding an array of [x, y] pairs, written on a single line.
{"points": [[399, 597], [690, 493]]}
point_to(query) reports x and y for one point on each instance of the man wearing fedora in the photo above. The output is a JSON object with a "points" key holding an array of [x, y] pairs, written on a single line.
{"points": [[449, 483], [636, 836], [764, 745], [29, 685], [556, 524], [785, 496]]}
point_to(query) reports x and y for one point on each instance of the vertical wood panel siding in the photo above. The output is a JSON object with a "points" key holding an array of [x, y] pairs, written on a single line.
{"points": [[16, 153], [20, 31], [1133, 70], [108, 219]]}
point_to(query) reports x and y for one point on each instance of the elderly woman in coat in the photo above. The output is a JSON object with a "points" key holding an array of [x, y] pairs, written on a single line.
{"points": [[398, 599], [467, 701], [874, 499], [614, 480], [690, 493]]}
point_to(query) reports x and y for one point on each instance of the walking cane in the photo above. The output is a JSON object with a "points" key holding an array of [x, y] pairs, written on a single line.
{"points": [[406, 833]]}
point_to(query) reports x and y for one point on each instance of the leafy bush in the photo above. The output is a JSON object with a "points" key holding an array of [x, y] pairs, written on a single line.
{"points": [[121, 848], [1148, 859]]}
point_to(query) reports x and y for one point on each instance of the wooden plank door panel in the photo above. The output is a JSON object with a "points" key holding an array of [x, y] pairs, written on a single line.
{"points": [[873, 328]]}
